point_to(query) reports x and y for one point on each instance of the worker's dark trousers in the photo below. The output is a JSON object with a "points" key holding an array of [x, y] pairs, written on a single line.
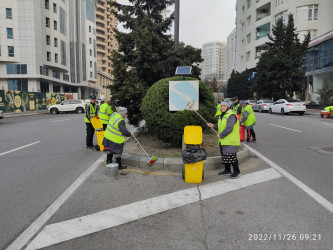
{"points": [[109, 158], [104, 126], [234, 165], [90, 134], [249, 133]]}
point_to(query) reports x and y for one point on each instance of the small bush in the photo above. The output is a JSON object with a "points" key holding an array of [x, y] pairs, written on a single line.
{"points": [[167, 125]]}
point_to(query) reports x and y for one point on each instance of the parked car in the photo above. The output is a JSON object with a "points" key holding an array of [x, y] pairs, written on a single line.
{"points": [[68, 106], [314, 105], [262, 105], [251, 102], [1, 114], [284, 106]]}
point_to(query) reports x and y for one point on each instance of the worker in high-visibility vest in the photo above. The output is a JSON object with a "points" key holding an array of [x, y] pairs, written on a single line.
{"points": [[105, 112], [329, 108], [236, 107], [114, 136], [249, 119], [228, 130], [91, 111]]}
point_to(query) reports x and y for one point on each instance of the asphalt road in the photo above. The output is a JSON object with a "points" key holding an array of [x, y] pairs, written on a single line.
{"points": [[33, 177]]}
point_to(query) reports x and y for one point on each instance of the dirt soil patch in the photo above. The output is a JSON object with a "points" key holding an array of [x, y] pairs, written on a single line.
{"points": [[153, 146]]}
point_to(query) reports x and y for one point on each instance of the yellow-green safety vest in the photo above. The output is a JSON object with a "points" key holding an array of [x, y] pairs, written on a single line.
{"points": [[235, 108], [218, 110], [92, 112], [112, 131], [105, 112], [329, 108], [233, 138], [251, 119]]}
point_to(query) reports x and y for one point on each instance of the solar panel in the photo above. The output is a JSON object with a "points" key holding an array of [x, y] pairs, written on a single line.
{"points": [[183, 70]]}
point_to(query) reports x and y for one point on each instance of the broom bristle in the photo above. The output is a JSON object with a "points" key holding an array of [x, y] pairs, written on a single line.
{"points": [[152, 160]]}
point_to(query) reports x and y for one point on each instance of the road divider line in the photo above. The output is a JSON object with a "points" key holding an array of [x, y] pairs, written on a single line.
{"points": [[74, 228], [328, 124], [317, 197], [61, 120], [15, 149], [23, 239], [286, 128]]}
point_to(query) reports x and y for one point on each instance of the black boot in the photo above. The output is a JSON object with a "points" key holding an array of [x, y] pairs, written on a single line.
{"points": [[109, 158], [120, 166], [227, 170]]}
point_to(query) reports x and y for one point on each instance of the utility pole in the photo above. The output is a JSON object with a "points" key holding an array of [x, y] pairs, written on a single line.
{"points": [[176, 35]]}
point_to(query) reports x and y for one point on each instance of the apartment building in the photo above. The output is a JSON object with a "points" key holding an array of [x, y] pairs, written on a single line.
{"points": [[44, 46], [213, 65], [255, 19], [106, 43], [230, 54]]}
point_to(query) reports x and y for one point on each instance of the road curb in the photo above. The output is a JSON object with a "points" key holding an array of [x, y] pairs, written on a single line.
{"points": [[20, 114], [176, 163]]}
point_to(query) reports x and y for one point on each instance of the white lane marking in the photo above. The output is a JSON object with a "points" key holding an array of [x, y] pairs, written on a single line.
{"points": [[317, 197], [4, 153], [74, 228], [331, 124], [41, 220], [285, 128], [61, 120]]}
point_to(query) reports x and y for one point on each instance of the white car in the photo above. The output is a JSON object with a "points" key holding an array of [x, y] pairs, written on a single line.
{"points": [[1, 114], [68, 106], [284, 106], [262, 105]]}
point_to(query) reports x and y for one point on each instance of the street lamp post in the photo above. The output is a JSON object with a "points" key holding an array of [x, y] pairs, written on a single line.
{"points": [[176, 35]]}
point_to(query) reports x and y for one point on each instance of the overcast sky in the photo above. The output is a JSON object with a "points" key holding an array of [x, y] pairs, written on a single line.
{"points": [[204, 21]]}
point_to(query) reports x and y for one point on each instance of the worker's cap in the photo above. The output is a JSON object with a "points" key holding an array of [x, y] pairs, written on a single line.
{"points": [[242, 102], [234, 98], [122, 110], [93, 97], [225, 104]]}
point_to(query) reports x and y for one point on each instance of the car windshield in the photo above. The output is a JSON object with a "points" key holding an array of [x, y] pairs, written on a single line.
{"points": [[293, 101], [267, 101]]}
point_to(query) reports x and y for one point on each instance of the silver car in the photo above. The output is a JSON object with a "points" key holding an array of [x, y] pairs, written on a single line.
{"points": [[262, 105], [1, 114]]}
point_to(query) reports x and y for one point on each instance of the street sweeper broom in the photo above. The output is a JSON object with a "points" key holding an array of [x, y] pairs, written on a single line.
{"points": [[189, 106], [151, 160]]}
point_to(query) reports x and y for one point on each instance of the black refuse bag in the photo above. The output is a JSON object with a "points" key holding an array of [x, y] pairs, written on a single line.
{"points": [[193, 154]]}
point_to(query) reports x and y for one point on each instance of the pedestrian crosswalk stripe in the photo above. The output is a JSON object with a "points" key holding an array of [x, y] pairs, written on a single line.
{"points": [[74, 228]]}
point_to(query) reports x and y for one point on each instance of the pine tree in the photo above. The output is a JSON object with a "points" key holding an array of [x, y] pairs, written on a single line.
{"points": [[239, 84], [279, 72], [325, 94], [145, 53]]}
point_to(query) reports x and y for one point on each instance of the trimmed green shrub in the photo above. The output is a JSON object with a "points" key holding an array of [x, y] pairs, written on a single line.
{"points": [[167, 125]]}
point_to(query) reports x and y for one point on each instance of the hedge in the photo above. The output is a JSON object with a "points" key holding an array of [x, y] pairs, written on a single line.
{"points": [[167, 125]]}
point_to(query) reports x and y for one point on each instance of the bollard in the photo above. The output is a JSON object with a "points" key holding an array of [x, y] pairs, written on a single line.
{"points": [[112, 169]]}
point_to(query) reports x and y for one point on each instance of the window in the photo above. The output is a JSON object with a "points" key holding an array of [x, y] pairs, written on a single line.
{"points": [[9, 13], [55, 24], [89, 28], [56, 89], [9, 33], [56, 58], [56, 74], [90, 52], [17, 84], [47, 22], [55, 8], [47, 4], [91, 74], [90, 63], [248, 56], [248, 20], [48, 56], [65, 77], [278, 2], [307, 13], [16, 69], [11, 51], [48, 40], [44, 71], [44, 87], [89, 40], [248, 3], [283, 15], [55, 42]]}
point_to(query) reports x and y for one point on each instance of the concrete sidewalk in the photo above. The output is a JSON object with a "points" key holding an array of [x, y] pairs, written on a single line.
{"points": [[27, 113]]}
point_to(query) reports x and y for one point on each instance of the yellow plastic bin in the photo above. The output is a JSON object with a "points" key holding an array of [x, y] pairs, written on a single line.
{"points": [[98, 126], [193, 172]]}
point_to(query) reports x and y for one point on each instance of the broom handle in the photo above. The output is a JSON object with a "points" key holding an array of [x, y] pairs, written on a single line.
{"points": [[141, 147], [203, 119]]}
